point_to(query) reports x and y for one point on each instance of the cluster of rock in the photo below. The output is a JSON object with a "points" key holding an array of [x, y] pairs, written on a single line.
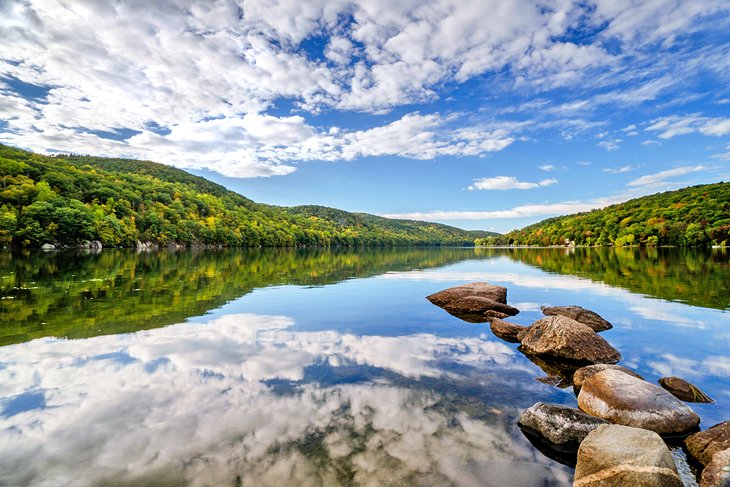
{"points": [[85, 244], [617, 435]]}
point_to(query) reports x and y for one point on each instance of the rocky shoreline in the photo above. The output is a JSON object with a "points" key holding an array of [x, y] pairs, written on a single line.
{"points": [[618, 434]]}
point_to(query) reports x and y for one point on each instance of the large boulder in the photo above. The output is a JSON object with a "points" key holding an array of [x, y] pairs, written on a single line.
{"points": [[505, 330], [481, 289], [683, 390], [614, 455], [478, 305], [563, 338], [561, 426], [705, 444], [717, 472], [581, 315], [585, 372], [623, 399]]}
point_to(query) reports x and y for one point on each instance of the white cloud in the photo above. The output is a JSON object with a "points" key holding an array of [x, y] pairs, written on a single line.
{"points": [[674, 125], [562, 208], [182, 65], [502, 183], [660, 178], [546, 167], [618, 170], [610, 145]]}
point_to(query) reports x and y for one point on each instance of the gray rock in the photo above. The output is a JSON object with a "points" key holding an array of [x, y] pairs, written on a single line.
{"points": [[565, 339], [683, 390], [478, 305], [505, 330], [95, 244], [47, 246], [623, 399], [705, 444], [717, 472], [481, 289], [581, 315], [561, 426], [614, 455], [584, 372]]}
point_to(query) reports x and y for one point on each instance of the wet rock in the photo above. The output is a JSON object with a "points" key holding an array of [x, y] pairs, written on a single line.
{"points": [[561, 426], [565, 339], [683, 390], [481, 289], [705, 444], [581, 315], [478, 305], [717, 472], [47, 246], [614, 455], [584, 372], [623, 399], [505, 330], [95, 244]]}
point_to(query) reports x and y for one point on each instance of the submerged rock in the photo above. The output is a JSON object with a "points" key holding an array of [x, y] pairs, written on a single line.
{"points": [[705, 444], [581, 315], [614, 455], [561, 426], [505, 330], [478, 305], [585, 372], [683, 390], [481, 289], [559, 373], [566, 339], [717, 472], [623, 399]]}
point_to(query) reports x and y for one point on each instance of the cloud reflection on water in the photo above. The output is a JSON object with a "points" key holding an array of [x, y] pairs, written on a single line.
{"points": [[190, 404]]}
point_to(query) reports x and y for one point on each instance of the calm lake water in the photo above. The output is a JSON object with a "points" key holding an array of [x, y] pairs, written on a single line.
{"points": [[294, 367]]}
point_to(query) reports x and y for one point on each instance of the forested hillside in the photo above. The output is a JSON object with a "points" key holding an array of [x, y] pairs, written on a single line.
{"points": [[66, 200], [697, 216]]}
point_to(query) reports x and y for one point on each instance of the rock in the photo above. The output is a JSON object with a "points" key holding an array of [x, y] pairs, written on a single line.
{"points": [[95, 244], [478, 305], [559, 373], [491, 314], [562, 426], [717, 472], [614, 455], [481, 289], [705, 444], [683, 390], [47, 246], [581, 315], [584, 372], [623, 399], [566, 339], [505, 330]]}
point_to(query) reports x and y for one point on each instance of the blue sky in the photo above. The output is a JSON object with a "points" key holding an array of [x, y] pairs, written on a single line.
{"points": [[480, 114]]}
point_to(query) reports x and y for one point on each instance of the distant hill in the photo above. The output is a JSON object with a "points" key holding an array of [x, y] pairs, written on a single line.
{"points": [[696, 216], [66, 200]]}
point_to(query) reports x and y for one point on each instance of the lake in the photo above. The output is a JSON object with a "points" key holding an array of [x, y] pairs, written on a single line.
{"points": [[321, 367]]}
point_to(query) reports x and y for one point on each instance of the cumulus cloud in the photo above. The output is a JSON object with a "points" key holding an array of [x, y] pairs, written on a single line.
{"points": [[661, 177], [502, 183], [208, 74]]}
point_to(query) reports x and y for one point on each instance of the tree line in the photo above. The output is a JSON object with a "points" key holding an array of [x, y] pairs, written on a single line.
{"points": [[67, 200], [697, 216]]}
